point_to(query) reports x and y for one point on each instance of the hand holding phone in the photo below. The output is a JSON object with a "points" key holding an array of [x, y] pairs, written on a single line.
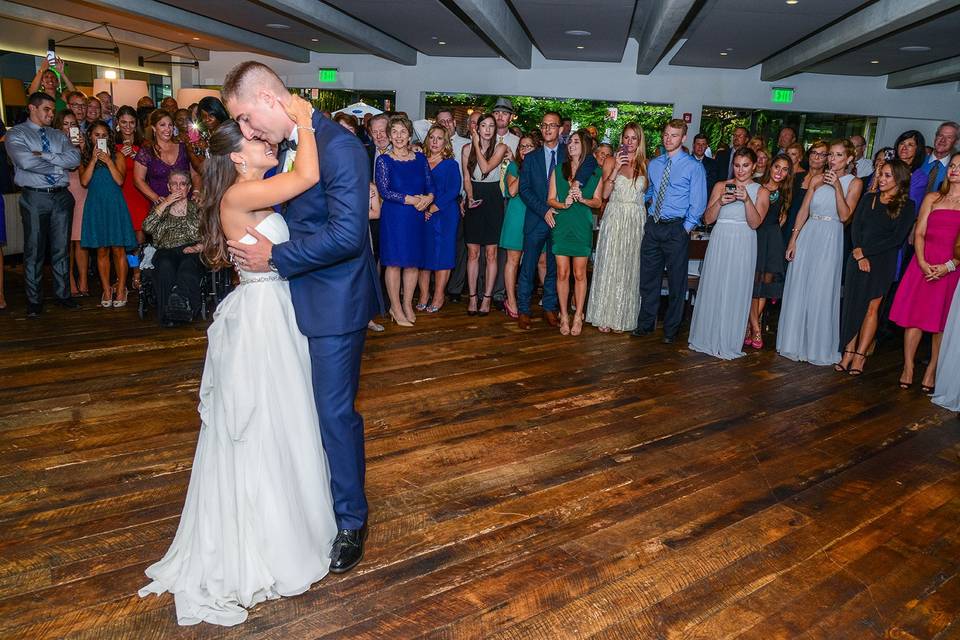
{"points": [[102, 145], [75, 135]]}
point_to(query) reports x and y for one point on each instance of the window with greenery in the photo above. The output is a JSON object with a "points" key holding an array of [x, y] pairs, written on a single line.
{"points": [[529, 112]]}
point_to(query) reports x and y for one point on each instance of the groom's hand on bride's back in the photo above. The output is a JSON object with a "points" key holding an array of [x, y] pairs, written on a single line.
{"points": [[252, 257]]}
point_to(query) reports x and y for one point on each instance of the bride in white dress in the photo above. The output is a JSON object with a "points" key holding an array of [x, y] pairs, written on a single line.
{"points": [[258, 520], [615, 294]]}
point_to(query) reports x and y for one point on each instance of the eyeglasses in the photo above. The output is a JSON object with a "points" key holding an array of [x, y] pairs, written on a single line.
{"points": [[77, 104], [527, 146], [819, 154], [549, 125]]}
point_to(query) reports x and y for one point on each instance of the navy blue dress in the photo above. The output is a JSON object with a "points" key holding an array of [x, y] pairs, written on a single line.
{"points": [[440, 231], [401, 225]]}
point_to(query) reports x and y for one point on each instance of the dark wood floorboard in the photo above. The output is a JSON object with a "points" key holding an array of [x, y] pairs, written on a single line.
{"points": [[522, 486]]}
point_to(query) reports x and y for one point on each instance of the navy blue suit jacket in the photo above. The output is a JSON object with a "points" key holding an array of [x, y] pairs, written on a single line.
{"points": [[328, 260], [534, 185]]}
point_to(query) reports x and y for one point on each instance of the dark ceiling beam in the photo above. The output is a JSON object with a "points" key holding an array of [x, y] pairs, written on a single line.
{"points": [[874, 21], [933, 73], [663, 20], [331, 20], [50, 20], [171, 15], [501, 27]]}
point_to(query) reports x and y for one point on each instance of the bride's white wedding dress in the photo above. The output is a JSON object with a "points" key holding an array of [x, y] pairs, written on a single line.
{"points": [[258, 520]]}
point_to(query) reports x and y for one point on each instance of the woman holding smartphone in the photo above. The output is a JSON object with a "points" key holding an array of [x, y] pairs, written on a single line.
{"points": [[128, 140], [483, 213], [67, 122], [809, 328], [615, 301], [511, 236], [738, 207], [106, 219]]}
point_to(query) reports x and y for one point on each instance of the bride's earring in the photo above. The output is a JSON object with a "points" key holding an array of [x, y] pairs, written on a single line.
{"points": [[243, 166]]}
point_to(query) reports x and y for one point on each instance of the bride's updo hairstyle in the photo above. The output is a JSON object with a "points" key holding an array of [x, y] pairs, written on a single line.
{"points": [[219, 174]]}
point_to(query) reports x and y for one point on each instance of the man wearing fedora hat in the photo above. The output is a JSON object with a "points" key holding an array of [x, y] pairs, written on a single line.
{"points": [[503, 114]]}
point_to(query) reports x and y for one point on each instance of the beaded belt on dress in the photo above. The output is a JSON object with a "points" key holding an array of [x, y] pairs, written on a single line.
{"points": [[827, 218], [273, 277], [729, 221]]}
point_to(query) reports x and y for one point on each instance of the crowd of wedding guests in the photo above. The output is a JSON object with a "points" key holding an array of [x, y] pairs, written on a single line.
{"points": [[840, 245], [100, 182]]}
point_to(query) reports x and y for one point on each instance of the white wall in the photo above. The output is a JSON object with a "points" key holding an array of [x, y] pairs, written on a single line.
{"points": [[687, 88]]}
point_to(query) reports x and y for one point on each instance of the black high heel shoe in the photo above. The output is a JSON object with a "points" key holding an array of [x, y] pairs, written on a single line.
{"points": [[487, 312], [474, 312], [856, 372], [839, 368]]}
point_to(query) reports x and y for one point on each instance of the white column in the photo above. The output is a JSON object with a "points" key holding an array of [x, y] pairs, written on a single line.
{"points": [[412, 101], [695, 109]]}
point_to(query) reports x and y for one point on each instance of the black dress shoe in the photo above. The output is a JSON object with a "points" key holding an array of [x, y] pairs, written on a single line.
{"points": [[639, 333], [455, 298], [34, 309], [347, 549], [68, 303], [668, 339]]}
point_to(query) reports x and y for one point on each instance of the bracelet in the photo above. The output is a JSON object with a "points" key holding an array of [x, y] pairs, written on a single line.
{"points": [[861, 258], [310, 129], [950, 265]]}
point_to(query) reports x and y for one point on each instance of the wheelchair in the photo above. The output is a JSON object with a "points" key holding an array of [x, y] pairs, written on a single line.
{"points": [[214, 286]]}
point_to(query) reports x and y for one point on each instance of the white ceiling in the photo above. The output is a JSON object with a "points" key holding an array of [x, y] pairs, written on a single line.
{"points": [[748, 32]]}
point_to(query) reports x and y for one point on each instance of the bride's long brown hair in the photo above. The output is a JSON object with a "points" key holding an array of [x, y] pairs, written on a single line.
{"points": [[219, 174]]}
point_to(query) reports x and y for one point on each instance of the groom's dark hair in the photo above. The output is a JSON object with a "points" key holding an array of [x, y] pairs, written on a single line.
{"points": [[240, 78]]}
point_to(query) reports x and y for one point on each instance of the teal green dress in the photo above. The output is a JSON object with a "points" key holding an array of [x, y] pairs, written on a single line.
{"points": [[511, 235], [573, 233], [106, 219]]}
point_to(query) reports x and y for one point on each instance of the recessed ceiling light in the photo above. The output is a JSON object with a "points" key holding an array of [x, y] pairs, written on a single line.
{"points": [[577, 32], [434, 38], [441, 42], [724, 53], [314, 39], [874, 62], [729, 48], [792, 1], [579, 46], [277, 25], [915, 48]]}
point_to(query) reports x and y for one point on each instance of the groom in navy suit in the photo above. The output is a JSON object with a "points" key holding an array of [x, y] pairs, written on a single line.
{"points": [[333, 280]]}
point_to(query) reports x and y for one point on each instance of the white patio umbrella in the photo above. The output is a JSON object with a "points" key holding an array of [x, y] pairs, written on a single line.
{"points": [[420, 129], [359, 109]]}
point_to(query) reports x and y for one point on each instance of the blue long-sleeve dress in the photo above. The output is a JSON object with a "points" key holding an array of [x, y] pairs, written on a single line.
{"points": [[401, 225], [440, 231]]}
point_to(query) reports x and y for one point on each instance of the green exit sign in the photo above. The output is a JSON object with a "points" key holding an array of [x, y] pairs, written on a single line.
{"points": [[328, 75], [781, 95]]}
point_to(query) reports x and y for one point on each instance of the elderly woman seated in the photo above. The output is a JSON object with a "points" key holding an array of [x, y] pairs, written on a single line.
{"points": [[174, 225]]}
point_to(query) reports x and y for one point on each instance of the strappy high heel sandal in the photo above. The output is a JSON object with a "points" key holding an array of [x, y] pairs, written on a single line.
{"points": [[469, 312], [487, 312], [839, 368], [577, 327], [856, 372], [564, 325]]}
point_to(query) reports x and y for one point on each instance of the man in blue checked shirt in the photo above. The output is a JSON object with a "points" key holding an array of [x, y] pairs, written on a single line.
{"points": [[676, 197]]}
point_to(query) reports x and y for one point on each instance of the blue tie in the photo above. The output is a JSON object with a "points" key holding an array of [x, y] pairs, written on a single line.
{"points": [[45, 148], [553, 163]]}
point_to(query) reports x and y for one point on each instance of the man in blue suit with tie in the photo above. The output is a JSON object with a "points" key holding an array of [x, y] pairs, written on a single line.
{"points": [[333, 280], [535, 175], [931, 174]]}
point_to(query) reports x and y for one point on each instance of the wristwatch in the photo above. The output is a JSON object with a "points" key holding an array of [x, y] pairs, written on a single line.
{"points": [[272, 265]]}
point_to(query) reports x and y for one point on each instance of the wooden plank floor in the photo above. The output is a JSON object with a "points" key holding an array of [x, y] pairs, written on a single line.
{"points": [[522, 485]]}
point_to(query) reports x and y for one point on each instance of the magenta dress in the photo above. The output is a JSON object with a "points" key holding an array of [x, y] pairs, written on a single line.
{"points": [[924, 305]]}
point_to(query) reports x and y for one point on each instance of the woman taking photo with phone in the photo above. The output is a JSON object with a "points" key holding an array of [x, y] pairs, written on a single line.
{"points": [[809, 328], [106, 219], [483, 209], [572, 235], [738, 207], [615, 301], [67, 122]]}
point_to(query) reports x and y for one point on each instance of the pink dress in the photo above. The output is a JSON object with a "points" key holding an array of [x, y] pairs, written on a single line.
{"points": [[924, 305], [79, 193]]}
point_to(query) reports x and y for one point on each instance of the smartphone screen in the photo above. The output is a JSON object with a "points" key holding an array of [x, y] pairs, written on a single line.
{"points": [[730, 189], [75, 135], [102, 144]]}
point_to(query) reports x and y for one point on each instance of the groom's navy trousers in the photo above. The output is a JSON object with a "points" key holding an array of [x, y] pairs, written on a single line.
{"points": [[335, 292]]}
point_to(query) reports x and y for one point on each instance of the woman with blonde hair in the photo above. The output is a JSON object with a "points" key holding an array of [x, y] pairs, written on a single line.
{"points": [[442, 219], [615, 302]]}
